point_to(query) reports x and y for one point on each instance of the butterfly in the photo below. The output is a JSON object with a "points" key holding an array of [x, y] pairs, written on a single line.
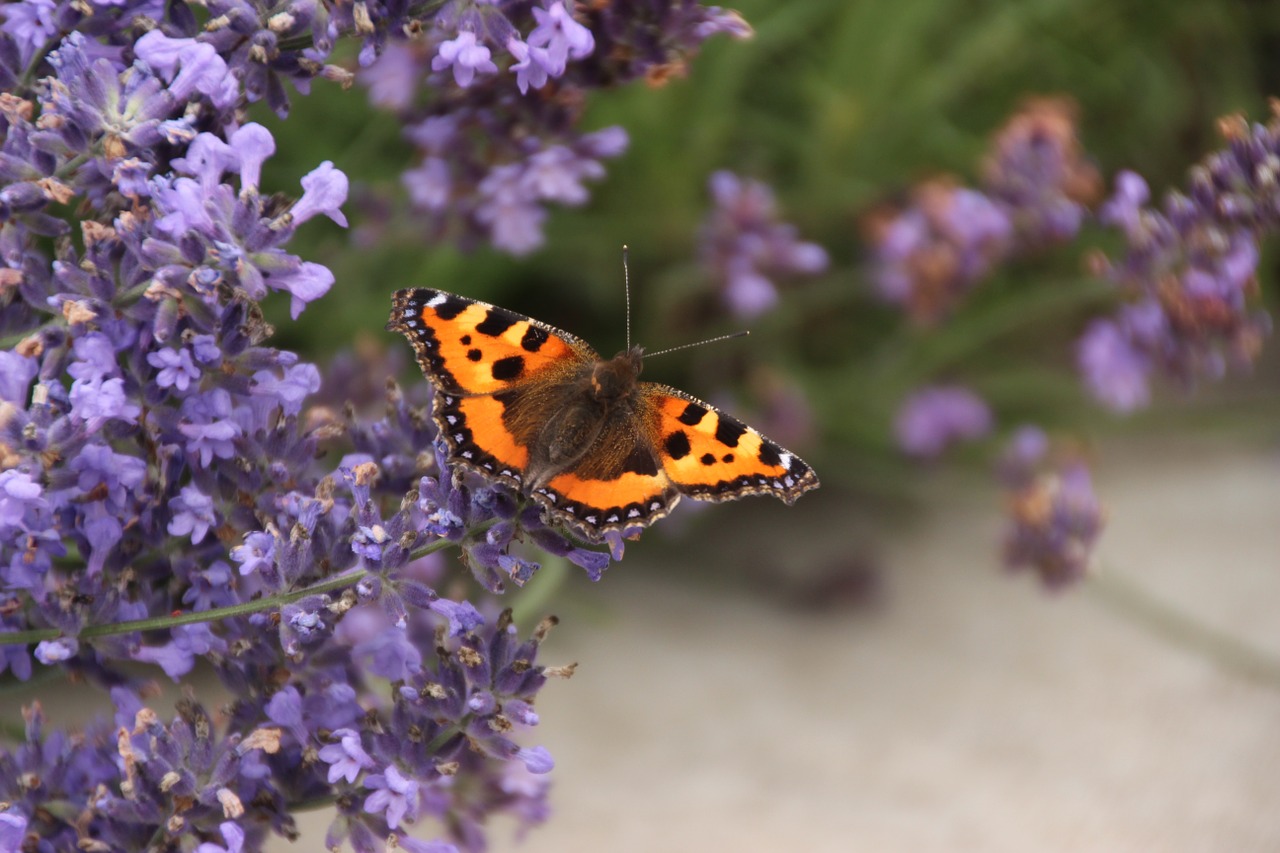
{"points": [[525, 404]]}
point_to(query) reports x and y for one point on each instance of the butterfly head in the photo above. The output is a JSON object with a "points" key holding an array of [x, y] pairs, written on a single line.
{"points": [[616, 378]]}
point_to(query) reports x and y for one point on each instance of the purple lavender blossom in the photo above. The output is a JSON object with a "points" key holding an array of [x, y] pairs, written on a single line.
{"points": [[346, 758], [465, 56], [153, 439], [560, 36], [744, 246], [1188, 272], [232, 834], [1037, 189], [502, 158], [177, 370], [932, 419], [1037, 170], [932, 253], [394, 794], [1055, 517], [509, 209], [392, 80], [50, 652], [1116, 372]]}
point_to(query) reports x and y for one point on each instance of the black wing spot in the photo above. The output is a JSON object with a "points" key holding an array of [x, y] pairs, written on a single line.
{"points": [[692, 414], [496, 322], [769, 454], [474, 354], [727, 458], [533, 339], [466, 340], [640, 461], [708, 459], [677, 445], [508, 368], [728, 432], [451, 307]]}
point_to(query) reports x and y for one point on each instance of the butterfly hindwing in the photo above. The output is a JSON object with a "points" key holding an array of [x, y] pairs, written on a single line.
{"points": [[712, 456], [470, 347], [619, 485]]}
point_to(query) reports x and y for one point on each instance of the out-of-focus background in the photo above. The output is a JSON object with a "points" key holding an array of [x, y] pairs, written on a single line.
{"points": [[841, 108], [855, 672]]}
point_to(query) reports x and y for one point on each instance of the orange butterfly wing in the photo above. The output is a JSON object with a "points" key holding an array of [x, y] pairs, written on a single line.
{"points": [[480, 357], [618, 485], [712, 456], [670, 444]]}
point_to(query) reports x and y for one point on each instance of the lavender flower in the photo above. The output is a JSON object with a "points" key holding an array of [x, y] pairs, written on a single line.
{"points": [[1188, 272], [494, 153], [744, 246], [394, 794], [1038, 172], [465, 56], [931, 254], [1055, 517], [346, 758], [1038, 185], [152, 439], [932, 419]]}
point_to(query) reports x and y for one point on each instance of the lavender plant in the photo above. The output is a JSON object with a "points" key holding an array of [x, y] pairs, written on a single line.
{"points": [[169, 492], [1185, 281]]}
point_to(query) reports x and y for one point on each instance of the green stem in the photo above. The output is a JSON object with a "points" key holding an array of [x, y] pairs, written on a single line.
{"points": [[1168, 623], [270, 602]]}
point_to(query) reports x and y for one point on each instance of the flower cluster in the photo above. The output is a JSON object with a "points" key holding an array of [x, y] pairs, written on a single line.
{"points": [[165, 491], [1037, 184], [1188, 272], [1054, 516], [491, 94], [744, 246]]}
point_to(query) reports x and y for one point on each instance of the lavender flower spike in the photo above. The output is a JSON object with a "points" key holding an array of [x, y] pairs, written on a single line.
{"points": [[1054, 515]]}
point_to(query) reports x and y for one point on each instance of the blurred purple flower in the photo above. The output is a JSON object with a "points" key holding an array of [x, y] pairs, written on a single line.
{"points": [[56, 651], [744, 247], [510, 210], [932, 419], [560, 36], [1037, 188], [31, 25], [1055, 517], [393, 79], [931, 254], [1115, 370], [1037, 170], [1188, 272], [232, 834]]}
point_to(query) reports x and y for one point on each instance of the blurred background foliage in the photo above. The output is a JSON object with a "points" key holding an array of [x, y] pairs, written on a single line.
{"points": [[840, 107]]}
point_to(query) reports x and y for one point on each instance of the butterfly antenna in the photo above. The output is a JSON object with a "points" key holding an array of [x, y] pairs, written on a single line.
{"points": [[741, 334], [626, 287]]}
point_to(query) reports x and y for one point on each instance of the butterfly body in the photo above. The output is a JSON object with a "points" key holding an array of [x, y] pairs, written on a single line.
{"points": [[526, 404]]}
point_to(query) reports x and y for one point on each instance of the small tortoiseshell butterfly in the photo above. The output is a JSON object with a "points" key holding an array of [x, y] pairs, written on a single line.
{"points": [[525, 404]]}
